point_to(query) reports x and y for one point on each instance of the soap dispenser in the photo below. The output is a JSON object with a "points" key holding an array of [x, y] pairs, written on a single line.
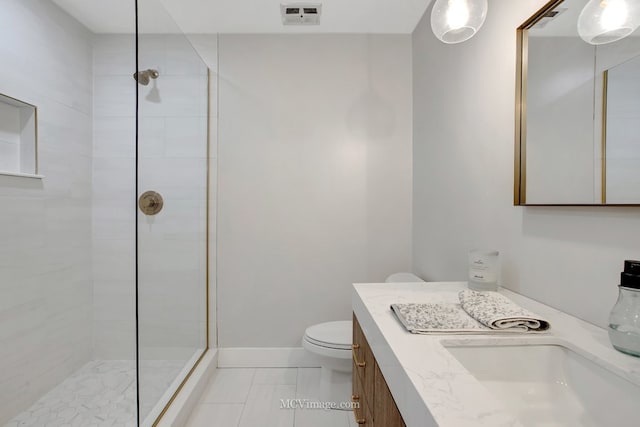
{"points": [[624, 321]]}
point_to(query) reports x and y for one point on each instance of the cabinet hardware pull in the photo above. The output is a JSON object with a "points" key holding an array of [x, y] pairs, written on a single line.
{"points": [[354, 398], [359, 364]]}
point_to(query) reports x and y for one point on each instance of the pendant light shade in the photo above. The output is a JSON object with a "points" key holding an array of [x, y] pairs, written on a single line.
{"points": [[606, 21], [454, 21]]}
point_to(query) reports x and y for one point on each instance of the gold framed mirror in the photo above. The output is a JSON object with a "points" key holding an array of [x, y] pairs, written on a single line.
{"points": [[577, 140]]}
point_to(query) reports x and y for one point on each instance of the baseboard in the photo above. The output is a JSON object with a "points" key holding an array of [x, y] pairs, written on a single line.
{"points": [[178, 412], [266, 357]]}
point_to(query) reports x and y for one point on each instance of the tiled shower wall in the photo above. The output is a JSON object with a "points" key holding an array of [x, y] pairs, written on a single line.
{"points": [[172, 161], [114, 197], [45, 237]]}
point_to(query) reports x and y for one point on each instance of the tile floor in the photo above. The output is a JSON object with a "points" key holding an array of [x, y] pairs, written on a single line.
{"points": [[102, 394], [237, 397]]}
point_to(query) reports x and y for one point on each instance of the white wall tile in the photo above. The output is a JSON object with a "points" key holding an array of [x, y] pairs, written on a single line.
{"points": [[112, 218], [113, 177], [153, 138], [115, 339], [114, 55], [172, 160], [182, 58], [45, 247], [109, 253], [114, 198], [114, 96], [177, 173], [180, 96], [185, 136], [152, 51], [114, 137], [56, 43]]}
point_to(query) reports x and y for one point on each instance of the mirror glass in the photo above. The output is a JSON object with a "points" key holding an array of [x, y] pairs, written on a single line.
{"points": [[578, 121]]}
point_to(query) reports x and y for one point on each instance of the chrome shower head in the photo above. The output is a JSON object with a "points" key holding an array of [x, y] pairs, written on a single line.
{"points": [[144, 77]]}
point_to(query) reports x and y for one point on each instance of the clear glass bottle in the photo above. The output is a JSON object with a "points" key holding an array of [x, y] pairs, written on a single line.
{"points": [[483, 270], [624, 321]]}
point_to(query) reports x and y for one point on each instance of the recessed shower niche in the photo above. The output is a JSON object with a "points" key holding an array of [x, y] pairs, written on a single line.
{"points": [[18, 137]]}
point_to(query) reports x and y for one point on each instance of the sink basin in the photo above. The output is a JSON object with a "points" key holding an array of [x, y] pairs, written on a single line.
{"points": [[552, 385]]}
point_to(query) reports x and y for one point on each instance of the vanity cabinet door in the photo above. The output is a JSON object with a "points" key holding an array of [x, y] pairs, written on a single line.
{"points": [[364, 362], [386, 410], [376, 406], [361, 411]]}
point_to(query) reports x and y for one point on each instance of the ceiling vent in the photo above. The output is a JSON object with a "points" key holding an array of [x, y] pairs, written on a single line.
{"points": [[301, 13], [548, 17]]}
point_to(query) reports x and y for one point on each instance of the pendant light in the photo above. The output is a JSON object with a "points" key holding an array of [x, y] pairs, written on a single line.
{"points": [[606, 21], [454, 21]]}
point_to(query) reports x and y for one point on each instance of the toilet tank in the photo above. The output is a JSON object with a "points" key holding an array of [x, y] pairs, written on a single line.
{"points": [[403, 278]]}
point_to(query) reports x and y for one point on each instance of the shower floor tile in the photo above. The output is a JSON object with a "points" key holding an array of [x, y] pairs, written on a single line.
{"points": [[101, 393]]}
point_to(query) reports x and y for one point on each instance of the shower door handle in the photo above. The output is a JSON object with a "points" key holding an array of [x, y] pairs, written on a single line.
{"points": [[150, 203]]}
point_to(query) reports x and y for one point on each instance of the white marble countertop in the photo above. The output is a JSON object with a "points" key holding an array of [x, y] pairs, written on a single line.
{"points": [[430, 386]]}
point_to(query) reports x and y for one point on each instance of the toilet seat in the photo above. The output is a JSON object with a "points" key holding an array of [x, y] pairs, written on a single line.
{"points": [[334, 335], [328, 345]]}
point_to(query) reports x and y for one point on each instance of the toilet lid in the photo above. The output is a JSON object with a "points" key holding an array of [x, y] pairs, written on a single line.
{"points": [[331, 334]]}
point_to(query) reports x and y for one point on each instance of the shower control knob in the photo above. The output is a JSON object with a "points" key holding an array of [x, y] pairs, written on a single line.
{"points": [[150, 203]]}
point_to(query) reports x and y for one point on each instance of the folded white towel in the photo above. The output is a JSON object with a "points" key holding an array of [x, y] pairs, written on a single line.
{"points": [[477, 313], [436, 318], [498, 312]]}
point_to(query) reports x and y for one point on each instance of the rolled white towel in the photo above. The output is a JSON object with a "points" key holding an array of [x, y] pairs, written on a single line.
{"points": [[500, 313]]}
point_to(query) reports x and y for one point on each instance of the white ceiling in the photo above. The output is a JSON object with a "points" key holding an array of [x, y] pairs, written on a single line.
{"points": [[244, 16]]}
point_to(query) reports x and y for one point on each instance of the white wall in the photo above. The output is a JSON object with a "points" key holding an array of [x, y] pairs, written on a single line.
{"points": [[172, 161], [45, 237], [314, 178], [568, 257]]}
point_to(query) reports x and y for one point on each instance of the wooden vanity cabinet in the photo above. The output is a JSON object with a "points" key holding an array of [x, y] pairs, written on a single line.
{"points": [[361, 410], [387, 413], [376, 406]]}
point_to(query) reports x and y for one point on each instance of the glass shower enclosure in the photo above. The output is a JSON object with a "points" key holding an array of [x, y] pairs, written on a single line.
{"points": [[172, 230], [103, 241]]}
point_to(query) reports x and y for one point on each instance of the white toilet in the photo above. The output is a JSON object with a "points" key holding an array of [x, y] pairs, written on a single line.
{"points": [[331, 341]]}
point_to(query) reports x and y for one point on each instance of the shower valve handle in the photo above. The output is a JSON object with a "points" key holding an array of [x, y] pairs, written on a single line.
{"points": [[150, 202]]}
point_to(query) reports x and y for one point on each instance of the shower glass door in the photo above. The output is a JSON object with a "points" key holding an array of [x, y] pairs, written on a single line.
{"points": [[172, 176]]}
